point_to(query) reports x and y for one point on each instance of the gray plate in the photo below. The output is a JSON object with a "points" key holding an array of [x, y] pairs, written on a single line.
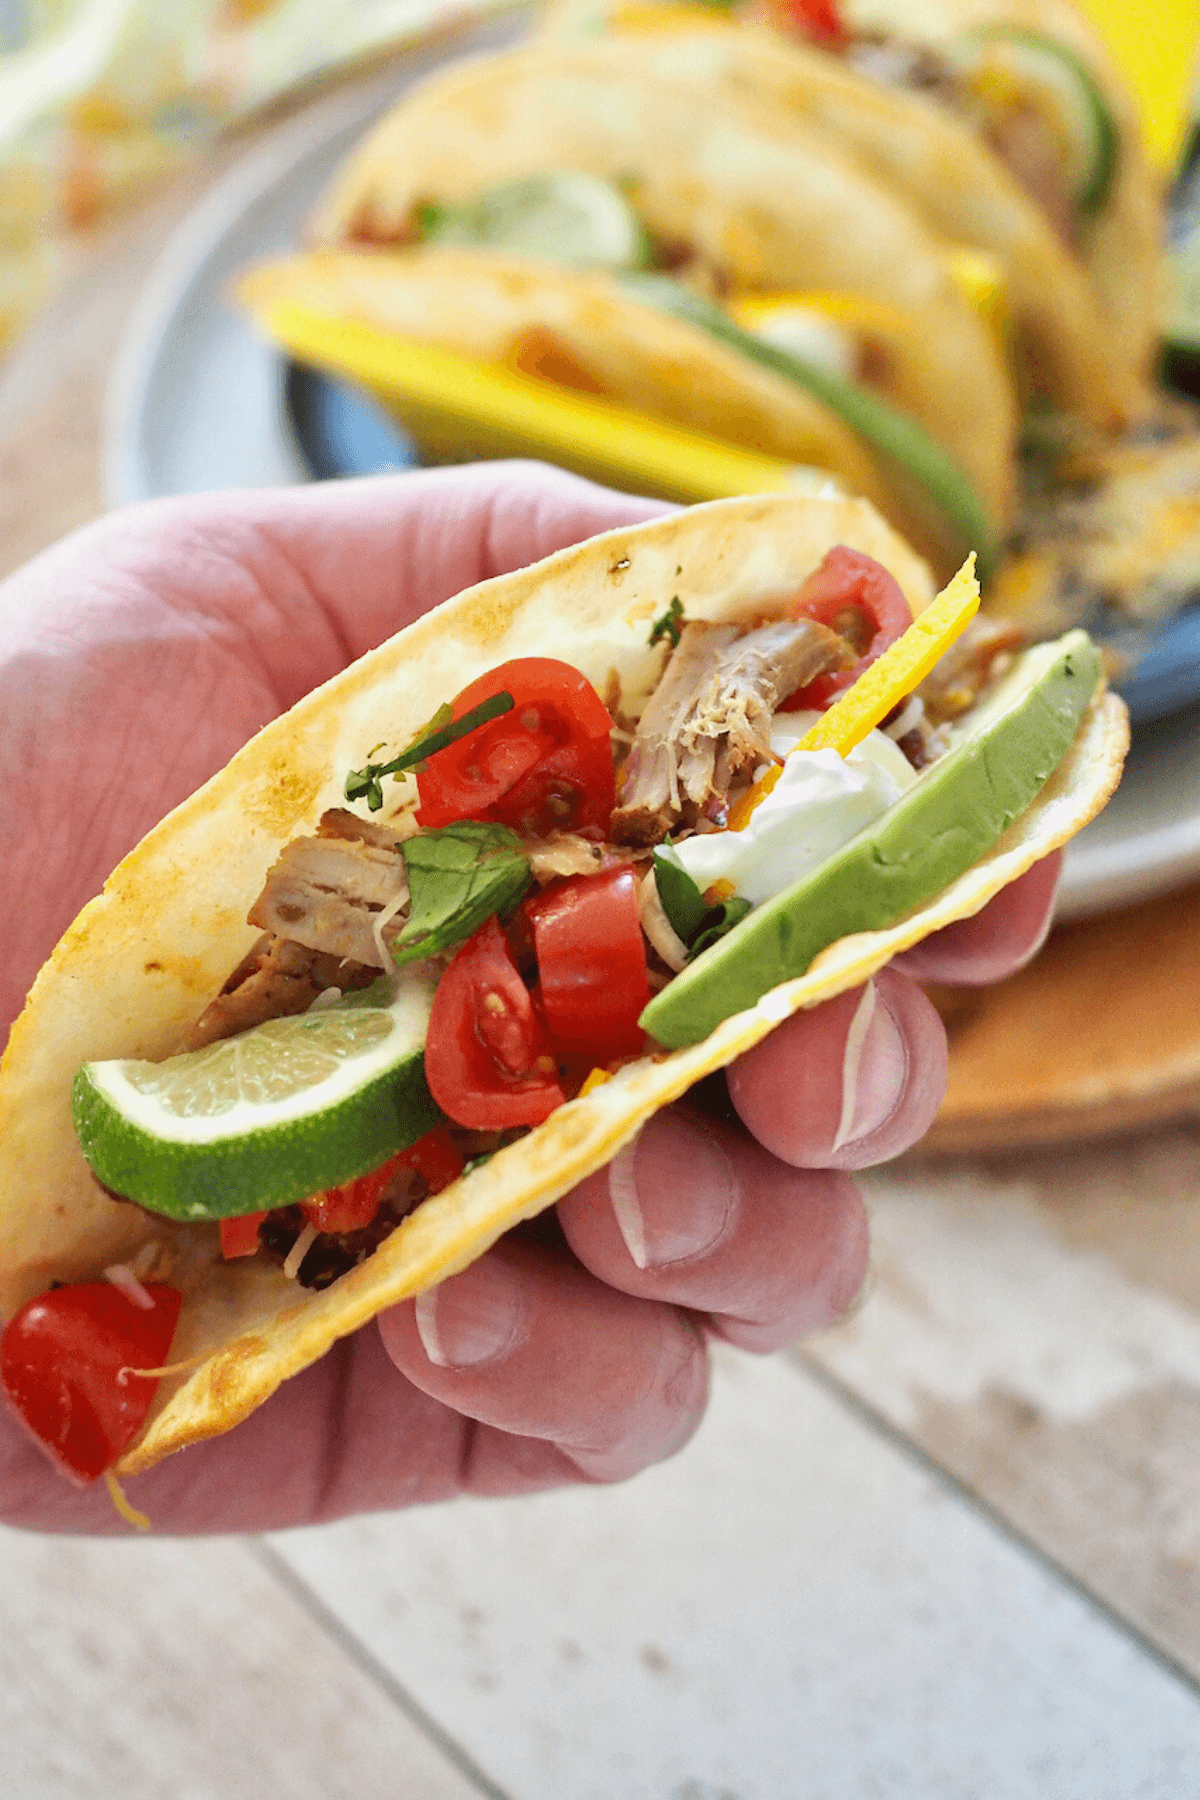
{"points": [[198, 402]]}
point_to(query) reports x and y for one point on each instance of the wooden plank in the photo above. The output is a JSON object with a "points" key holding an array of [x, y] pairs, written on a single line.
{"points": [[1034, 1326], [155, 1671], [791, 1607]]}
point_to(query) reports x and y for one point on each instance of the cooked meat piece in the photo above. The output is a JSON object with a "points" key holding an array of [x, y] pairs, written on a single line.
{"points": [[338, 823], [566, 854], [275, 980], [710, 717], [325, 892], [971, 663]]}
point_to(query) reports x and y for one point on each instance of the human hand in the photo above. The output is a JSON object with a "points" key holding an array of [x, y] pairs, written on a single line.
{"points": [[135, 658]]}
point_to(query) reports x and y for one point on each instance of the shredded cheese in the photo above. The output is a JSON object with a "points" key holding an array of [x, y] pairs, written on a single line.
{"points": [[596, 1079], [325, 999], [383, 918], [298, 1252], [175, 1368], [116, 1494]]}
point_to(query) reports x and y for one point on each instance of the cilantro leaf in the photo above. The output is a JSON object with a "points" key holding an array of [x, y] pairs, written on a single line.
{"points": [[669, 624], [365, 783], [458, 877], [692, 919]]}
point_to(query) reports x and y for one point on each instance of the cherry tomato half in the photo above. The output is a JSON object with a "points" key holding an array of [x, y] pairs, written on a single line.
{"points": [[857, 596], [817, 19], [355, 1203], [591, 957], [544, 766], [487, 1060], [65, 1362]]}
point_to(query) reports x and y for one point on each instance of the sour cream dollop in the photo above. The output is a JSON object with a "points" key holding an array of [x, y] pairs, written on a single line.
{"points": [[819, 803]]}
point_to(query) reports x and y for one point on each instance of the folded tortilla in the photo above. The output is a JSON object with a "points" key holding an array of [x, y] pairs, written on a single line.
{"points": [[580, 329], [1122, 246], [1086, 317], [961, 190], [768, 200], [142, 960]]}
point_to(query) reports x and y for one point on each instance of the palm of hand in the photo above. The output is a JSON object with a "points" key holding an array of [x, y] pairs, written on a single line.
{"points": [[135, 659]]}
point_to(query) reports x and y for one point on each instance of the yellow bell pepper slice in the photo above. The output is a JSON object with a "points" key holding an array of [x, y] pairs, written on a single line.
{"points": [[596, 1079], [901, 668], [455, 405]]}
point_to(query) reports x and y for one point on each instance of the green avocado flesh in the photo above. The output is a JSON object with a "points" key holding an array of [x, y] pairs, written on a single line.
{"points": [[1004, 752], [904, 443]]}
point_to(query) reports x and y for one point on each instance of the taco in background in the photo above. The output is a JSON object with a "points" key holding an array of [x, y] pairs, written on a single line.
{"points": [[751, 205], [991, 98], [587, 330], [476, 877]]}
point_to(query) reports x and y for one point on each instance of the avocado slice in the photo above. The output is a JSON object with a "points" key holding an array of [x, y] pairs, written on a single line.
{"points": [[1002, 754], [904, 444]]}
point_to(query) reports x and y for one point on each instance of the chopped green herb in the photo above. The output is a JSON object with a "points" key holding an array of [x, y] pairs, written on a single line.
{"points": [[365, 783], [458, 877], [692, 919], [670, 624]]}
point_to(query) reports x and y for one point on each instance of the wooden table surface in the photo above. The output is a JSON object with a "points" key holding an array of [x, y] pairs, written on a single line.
{"points": [[950, 1549]]}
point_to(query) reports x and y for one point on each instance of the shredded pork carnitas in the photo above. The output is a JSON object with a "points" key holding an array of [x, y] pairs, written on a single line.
{"points": [[325, 891], [709, 719]]}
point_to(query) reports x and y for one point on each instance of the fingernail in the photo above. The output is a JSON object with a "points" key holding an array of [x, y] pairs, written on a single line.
{"points": [[874, 1070], [673, 1192], [474, 1318]]}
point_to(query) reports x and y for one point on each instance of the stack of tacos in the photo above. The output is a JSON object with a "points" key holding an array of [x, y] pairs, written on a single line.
{"points": [[852, 236], [243, 1083]]}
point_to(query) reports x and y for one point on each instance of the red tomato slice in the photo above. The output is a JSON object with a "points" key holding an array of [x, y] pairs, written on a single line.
{"points": [[239, 1237], [848, 582], [591, 957], [64, 1368], [544, 766], [819, 19], [487, 1061], [355, 1203], [437, 1157]]}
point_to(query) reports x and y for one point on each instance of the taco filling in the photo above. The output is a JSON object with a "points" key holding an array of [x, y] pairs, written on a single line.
{"points": [[544, 892]]}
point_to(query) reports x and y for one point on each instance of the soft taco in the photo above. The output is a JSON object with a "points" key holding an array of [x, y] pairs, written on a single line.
{"points": [[541, 911], [755, 204], [585, 330], [1004, 121]]}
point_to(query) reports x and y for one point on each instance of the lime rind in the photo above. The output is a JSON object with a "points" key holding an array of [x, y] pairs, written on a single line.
{"points": [[347, 1091], [1082, 104]]}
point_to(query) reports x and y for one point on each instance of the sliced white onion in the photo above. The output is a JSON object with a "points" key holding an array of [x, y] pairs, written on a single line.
{"points": [[656, 925], [125, 1279], [298, 1252]]}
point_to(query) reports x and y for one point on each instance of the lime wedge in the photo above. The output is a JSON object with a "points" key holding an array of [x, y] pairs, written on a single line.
{"points": [[562, 216], [278, 1113]]}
